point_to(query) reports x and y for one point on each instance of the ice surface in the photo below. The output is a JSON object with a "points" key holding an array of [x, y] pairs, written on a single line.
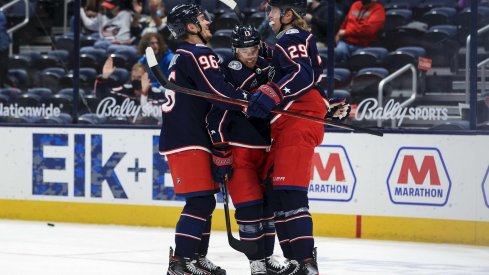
{"points": [[72, 249]]}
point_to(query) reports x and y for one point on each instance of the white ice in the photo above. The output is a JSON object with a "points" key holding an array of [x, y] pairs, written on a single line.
{"points": [[71, 249]]}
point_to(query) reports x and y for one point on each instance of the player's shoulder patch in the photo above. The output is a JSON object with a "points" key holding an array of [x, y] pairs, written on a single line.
{"points": [[292, 31], [235, 65]]}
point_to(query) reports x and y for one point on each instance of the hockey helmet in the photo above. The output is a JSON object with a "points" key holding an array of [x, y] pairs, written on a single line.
{"points": [[299, 6], [245, 36], [181, 15]]}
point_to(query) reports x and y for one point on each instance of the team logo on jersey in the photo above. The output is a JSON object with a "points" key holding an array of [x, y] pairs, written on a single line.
{"points": [[333, 178], [258, 71], [235, 65], [485, 187], [292, 31], [271, 73], [173, 60], [419, 176]]}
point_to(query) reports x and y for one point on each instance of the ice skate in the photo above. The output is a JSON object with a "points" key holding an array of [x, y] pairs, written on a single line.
{"points": [[205, 264], [258, 267], [275, 267], [184, 266], [310, 266]]}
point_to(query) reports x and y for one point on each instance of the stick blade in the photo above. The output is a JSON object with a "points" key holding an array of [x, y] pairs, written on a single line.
{"points": [[243, 247]]}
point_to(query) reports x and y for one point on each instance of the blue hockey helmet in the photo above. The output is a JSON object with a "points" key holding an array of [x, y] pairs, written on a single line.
{"points": [[245, 36], [181, 15], [299, 6]]}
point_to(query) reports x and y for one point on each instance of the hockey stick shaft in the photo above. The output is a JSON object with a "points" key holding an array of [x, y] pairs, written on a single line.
{"points": [[234, 6], [244, 247], [153, 64]]}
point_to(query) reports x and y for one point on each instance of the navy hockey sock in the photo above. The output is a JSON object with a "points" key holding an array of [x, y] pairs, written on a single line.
{"points": [[204, 242], [268, 229], [192, 224], [292, 219], [249, 219]]}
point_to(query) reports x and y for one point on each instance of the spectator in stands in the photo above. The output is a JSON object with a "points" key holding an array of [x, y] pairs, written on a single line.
{"points": [[139, 89], [360, 28], [108, 87], [317, 18], [155, 22], [162, 52], [113, 26], [4, 48]]}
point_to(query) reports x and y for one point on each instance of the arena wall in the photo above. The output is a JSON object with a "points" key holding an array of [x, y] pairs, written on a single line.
{"points": [[430, 188]]}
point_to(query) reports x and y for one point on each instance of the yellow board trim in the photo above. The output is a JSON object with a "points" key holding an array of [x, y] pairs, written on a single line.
{"points": [[329, 225]]}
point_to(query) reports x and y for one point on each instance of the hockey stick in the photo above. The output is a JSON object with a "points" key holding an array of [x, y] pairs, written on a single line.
{"points": [[234, 6], [241, 246], [153, 65]]}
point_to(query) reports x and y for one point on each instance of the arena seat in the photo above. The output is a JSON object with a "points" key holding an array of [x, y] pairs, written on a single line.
{"points": [[224, 53], [462, 20], [255, 19], [62, 101], [19, 77], [50, 77], [28, 100], [63, 57], [341, 76], [17, 61], [367, 57], [221, 39], [64, 42], [42, 92], [365, 83], [427, 5], [90, 118], [402, 4], [46, 61], [227, 20], [4, 100], [402, 56], [10, 93], [439, 16], [397, 17], [62, 118]]}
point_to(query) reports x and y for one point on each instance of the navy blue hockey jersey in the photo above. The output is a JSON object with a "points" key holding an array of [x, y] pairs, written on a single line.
{"points": [[232, 127], [184, 116], [295, 64]]}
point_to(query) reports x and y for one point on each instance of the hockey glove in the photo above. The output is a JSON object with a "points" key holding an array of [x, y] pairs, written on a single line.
{"points": [[265, 98], [222, 164], [339, 109]]}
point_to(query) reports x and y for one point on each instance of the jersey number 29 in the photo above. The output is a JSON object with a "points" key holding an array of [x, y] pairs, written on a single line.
{"points": [[297, 51]]}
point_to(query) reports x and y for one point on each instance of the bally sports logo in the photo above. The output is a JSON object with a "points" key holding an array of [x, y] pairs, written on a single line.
{"points": [[332, 175], [419, 176]]}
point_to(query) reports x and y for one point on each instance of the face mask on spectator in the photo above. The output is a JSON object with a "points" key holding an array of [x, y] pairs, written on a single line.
{"points": [[136, 84], [109, 14]]}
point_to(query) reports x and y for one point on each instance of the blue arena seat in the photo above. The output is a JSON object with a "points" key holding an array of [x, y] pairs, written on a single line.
{"points": [[90, 118], [17, 61], [227, 20], [10, 93], [402, 4], [120, 76], [365, 83], [47, 61], [402, 56], [221, 39], [255, 19], [42, 92], [50, 77], [342, 77], [427, 5], [397, 17], [19, 78], [367, 57], [64, 42], [28, 100], [224, 53], [439, 16]]}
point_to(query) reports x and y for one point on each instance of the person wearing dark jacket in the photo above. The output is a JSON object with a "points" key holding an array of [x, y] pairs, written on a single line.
{"points": [[317, 18]]}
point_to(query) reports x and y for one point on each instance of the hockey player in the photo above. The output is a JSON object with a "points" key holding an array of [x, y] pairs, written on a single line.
{"points": [[248, 141], [184, 138], [295, 69]]}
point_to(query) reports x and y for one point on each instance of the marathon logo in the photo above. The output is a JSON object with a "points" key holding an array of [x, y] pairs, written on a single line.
{"points": [[419, 176], [485, 187], [333, 178]]}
